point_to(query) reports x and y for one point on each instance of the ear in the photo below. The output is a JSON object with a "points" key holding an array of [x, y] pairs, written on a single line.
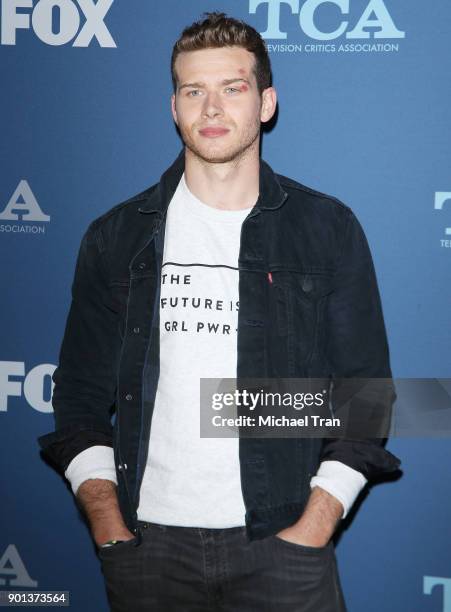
{"points": [[269, 103], [173, 109]]}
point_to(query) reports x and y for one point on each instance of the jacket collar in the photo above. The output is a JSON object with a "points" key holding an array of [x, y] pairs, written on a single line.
{"points": [[271, 193]]}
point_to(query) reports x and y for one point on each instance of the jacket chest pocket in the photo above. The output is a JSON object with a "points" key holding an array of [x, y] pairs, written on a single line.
{"points": [[119, 292], [296, 305]]}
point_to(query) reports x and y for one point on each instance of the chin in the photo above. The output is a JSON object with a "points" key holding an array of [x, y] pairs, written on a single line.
{"points": [[215, 154]]}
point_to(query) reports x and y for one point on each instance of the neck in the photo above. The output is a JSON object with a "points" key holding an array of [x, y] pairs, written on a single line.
{"points": [[231, 185]]}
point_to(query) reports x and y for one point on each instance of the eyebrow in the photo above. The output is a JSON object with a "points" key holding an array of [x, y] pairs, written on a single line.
{"points": [[224, 82]]}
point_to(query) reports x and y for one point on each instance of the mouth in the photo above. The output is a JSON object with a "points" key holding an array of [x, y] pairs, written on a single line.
{"points": [[213, 132]]}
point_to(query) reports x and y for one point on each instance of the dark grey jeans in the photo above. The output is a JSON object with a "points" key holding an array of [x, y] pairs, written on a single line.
{"points": [[190, 569]]}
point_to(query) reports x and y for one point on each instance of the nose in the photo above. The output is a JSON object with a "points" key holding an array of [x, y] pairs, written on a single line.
{"points": [[212, 106]]}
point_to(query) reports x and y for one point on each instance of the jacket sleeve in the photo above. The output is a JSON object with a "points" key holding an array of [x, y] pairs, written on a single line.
{"points": [[85, 379], [357, 352]]}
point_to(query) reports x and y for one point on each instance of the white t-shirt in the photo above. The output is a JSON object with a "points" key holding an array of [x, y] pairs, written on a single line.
{"points": [[189, 480]]}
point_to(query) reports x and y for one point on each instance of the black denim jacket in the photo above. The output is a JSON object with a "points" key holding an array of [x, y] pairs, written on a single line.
{"points": [[319, 317]]}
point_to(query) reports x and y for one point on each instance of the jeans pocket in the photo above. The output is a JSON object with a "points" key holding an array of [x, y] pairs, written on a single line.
{"points": [[315, 550], [109, 551]]}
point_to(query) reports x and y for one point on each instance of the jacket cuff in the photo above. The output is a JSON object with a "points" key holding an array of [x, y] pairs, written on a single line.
{"points": [[366, 456], [61, 446]]}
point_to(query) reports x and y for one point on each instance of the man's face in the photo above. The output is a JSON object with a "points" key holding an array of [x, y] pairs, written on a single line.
{"points": [[217, 106]]}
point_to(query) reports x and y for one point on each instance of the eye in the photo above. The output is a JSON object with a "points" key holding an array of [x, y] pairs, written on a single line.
{"points": [[193, 91], [233, 89]]}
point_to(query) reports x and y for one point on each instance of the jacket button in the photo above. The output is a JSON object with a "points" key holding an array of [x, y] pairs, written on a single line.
{"points": [[128, 397], [142, 265], [136, 330], [307, 285]]}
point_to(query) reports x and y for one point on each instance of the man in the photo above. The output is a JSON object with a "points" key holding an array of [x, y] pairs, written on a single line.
{"points": [[222, 269]]}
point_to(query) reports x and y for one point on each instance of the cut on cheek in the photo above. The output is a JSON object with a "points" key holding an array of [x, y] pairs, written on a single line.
{"points": [[243, 87]]}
